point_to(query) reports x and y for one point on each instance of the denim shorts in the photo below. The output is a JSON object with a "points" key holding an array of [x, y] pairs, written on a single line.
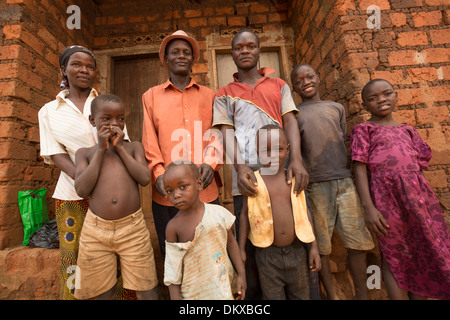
{"points": [[335, 204]]}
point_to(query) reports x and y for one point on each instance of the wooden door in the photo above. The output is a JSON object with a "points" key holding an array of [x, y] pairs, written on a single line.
{"points": [[132, 76]]}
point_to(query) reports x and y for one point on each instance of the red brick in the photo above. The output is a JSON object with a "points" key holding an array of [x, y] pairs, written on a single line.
{"points": [[305, 27], [441, 93], [358, 61], [45, 35], [198, 22], [341, 6], [328, 45], [432, 115], [412, 38], [37, 173], [9, 52], [277, 17], [15, 70], [217, 21], [208, 12], [319, 17], [393, 76], [258, 8], [436, 2], [400, 4], [10, 129], [14, 89], [16, 150], [397, 19], [192, 13], [403, 58], [436, 139], [242, 9], [444, 72], [352, 41], [318, 38], [383, 39], [436, 178], [12, 31], [33, 134], [19, 110], [422, 19], [405, 116], [352, 22], [224, 10], [423, 74], [410, 96], [441, 36], [257, 19], [236, 21], [382, 4], [436, 55]]}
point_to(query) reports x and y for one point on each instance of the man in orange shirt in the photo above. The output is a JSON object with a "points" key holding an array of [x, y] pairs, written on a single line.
{"points": [[177, 122]]}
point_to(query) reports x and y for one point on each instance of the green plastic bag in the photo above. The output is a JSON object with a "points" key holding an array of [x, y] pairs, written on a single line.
{"points": [[33, 210]]}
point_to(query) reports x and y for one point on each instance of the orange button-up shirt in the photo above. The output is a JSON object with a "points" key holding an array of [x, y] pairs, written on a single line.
{"points": [[176, 126]]}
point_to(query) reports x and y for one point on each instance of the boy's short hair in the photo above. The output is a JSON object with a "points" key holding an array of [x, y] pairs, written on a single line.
{"points": [[271, 127], [191, 165], [303, 64], [242, 31], [368, 84], [103, 98]]}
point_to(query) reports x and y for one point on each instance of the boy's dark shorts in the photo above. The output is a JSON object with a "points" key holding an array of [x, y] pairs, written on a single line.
{"points": [[283, 272]]}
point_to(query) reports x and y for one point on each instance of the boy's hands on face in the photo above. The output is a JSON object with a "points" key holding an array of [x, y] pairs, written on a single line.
{"points": [[104, 134], [117, 135]]}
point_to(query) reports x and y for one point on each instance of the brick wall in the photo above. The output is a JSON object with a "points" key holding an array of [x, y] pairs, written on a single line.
{"points": [[411, 50], [32, 34], [120, 25]]}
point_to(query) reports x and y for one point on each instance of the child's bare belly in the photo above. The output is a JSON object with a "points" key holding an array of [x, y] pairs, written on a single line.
{"points": [[283, 226], [116, 194]]}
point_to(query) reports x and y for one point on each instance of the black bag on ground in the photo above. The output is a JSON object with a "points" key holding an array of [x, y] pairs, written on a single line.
{"points": [[46, 236]]}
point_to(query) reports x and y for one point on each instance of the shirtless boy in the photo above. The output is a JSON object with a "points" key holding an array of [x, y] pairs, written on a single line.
{"points": [[278, 223], [109, 173]]}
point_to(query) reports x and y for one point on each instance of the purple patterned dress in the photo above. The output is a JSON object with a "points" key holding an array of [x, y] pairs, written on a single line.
{"points": [[417, 246]]}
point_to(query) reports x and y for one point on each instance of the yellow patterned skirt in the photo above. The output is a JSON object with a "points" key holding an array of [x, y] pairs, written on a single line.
{"points": [[69, 219]]}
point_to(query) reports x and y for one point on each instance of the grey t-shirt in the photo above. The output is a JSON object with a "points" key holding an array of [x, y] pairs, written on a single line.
{"points": [[323, 131]]}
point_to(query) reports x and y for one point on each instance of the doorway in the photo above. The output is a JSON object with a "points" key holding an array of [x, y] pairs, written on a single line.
{"points": [[132, 76]]}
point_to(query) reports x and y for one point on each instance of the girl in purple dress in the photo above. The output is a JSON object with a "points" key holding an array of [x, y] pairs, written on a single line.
{"points": [[399, 205]]}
